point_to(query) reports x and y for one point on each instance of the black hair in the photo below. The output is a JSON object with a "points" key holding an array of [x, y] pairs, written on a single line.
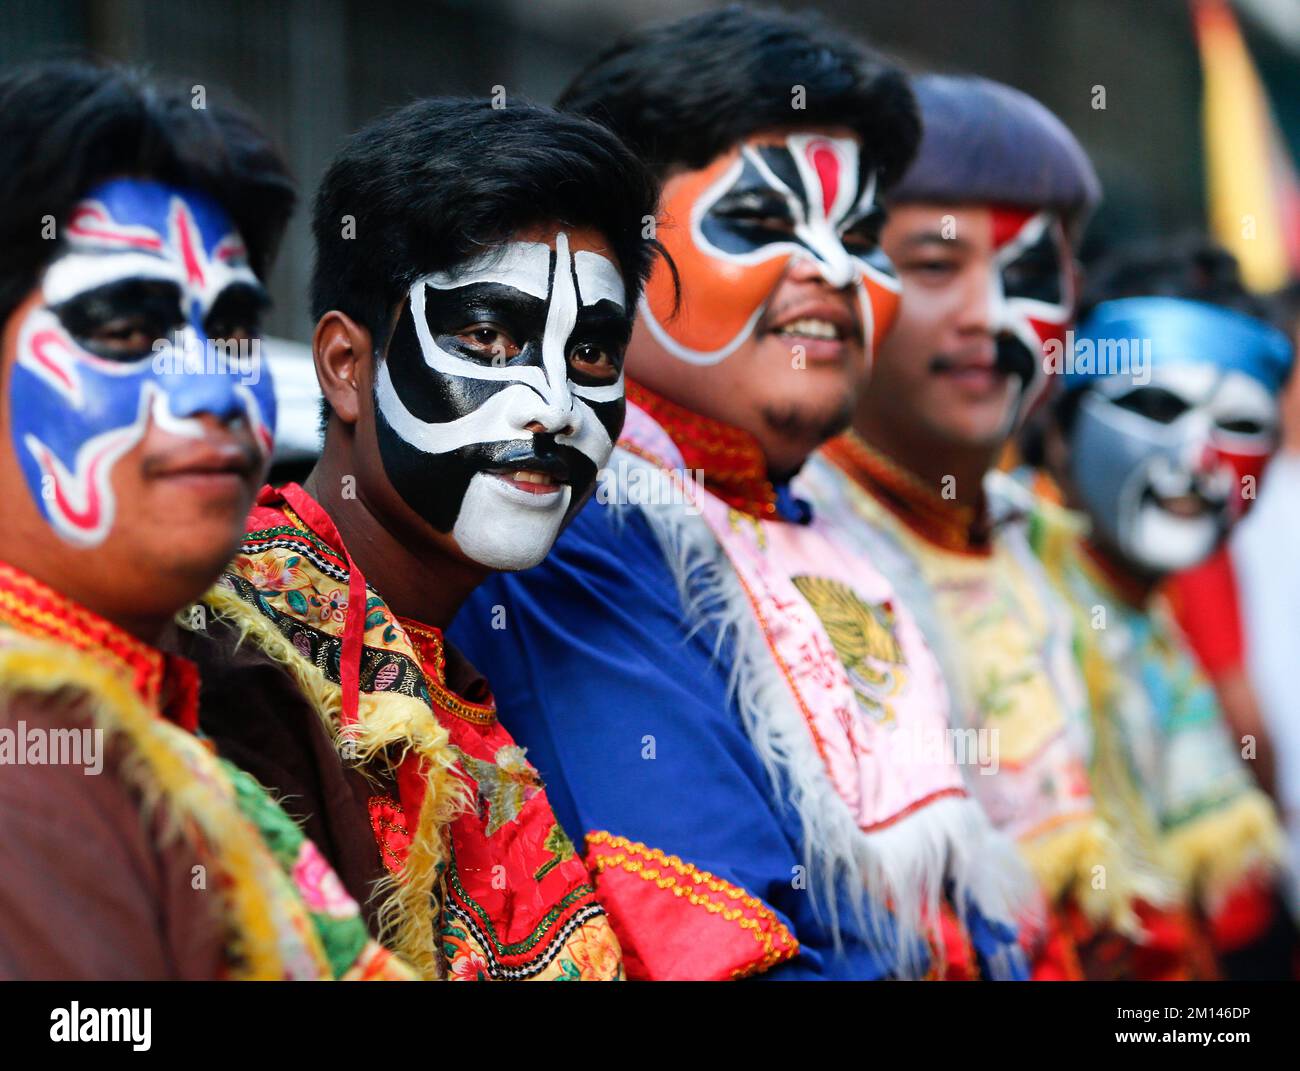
{"points": [[1189, 266], [985, 141], [67, 125], [431, 184], [682, 93]]}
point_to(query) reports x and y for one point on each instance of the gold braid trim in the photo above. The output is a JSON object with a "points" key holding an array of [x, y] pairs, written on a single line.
{"points": [[1081, 859], [633, 857], [389, 725], [158, 764], [1211, 853]]}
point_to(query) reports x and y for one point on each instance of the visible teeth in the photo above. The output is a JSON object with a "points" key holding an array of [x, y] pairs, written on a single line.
{"points": [[810, 328], [530, 476]]}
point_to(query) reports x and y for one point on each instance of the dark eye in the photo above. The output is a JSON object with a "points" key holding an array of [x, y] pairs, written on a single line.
{"points": [[122, 321], [489, 340], [1154, 403], [1036, 273], [593, 361], [1242, 426], [864, 235], [125, 338], [930, 268], [754, 209], [236, 315]]}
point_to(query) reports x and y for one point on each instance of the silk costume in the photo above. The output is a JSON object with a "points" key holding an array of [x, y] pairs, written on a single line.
{"points": [[272, 909], [707, 683], [476, 878]]}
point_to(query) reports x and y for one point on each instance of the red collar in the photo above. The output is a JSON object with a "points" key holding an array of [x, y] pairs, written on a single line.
{"points": [[432, 649], [734, 466], [944, 523], [165, 683]]}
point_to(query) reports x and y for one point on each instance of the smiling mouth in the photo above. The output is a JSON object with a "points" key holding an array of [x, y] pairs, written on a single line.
{"points": [[534, 475], [1189, 507], [810, 327], [530, 481]]}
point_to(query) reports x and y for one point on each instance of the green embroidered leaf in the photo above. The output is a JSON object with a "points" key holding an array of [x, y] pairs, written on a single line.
{"points": [[296, 601], [569, 971], [375, 618]]}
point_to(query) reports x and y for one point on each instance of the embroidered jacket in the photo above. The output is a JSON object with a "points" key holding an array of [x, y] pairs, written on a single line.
{"points": [[1166, 762], [745, 726], [475, 877], [179, 864], [1006, 638]]}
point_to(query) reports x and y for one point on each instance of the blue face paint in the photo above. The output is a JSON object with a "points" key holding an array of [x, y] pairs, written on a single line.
{"points": [[132, 327], [1179, 407]]}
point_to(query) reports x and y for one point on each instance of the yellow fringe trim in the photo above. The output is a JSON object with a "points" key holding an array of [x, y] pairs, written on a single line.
{"points": [[1085, 862], [1215, 851], [388, 726], [159, 764]]}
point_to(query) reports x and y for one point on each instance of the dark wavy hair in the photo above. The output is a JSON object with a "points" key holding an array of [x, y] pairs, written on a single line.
{"points": [[439, 180], [67, 125], [684, 92]]}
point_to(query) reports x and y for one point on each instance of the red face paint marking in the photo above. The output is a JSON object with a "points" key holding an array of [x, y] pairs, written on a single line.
{"points": [[86, 519], [42, 339], [1008, 223], [185, 240], [827, 165], [104, 231]]}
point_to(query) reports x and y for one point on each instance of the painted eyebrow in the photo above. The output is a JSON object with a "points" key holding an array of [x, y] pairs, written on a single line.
{"points": [[604, 318]]}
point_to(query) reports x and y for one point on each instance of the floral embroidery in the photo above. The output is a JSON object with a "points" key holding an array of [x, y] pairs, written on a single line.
{"points": [[321, 889], [273, 572], [561, 848], [596, 954]]}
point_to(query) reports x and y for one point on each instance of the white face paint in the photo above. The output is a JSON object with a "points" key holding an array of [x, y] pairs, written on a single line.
{"points": [[737, 225], [1154, 462], [169, 263], [501, 395]]}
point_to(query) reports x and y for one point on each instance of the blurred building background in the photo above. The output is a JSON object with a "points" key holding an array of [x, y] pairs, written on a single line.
{"points": [[313, 70]]}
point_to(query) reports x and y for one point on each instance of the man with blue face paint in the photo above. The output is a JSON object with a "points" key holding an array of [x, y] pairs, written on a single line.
{"points": [[136, 232], [1167, 411], [124, 336]]}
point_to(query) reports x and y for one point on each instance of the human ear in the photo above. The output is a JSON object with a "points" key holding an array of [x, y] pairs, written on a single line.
{"points": [[338, 345]]}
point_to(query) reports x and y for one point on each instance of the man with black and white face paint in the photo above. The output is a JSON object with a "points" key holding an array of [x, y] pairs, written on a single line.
{"points": [[476, 276], [501, 394]]}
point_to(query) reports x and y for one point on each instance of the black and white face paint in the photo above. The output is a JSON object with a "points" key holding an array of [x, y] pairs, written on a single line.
{"points": [[501, 395]]}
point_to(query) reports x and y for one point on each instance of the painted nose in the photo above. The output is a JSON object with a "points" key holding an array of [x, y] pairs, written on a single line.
{"points": [[200, 379], [562, 427]]}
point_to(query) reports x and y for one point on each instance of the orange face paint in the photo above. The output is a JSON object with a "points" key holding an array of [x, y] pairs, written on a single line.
{"points": [[733, 228]]}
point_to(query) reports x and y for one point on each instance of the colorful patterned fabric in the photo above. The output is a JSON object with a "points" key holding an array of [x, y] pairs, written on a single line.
{"points": [[1167, 767], [289, 921], [1006, 640], [511, 898], [799, 672]]}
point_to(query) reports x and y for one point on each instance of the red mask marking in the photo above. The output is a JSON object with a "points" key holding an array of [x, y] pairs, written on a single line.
{"points": [[185, 240], [827, 165], [102, 229]]}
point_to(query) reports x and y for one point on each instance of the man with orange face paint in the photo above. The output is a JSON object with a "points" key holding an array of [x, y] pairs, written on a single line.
{"points": [[980, 231], [738, 720]]}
